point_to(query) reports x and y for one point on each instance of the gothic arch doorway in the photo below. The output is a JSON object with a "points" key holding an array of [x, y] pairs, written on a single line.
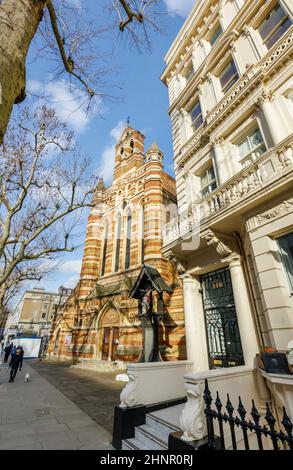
{"points": [[109, 334]]}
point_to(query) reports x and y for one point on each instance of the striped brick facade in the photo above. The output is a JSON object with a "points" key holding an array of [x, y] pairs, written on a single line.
{"points": [[100, 319]]}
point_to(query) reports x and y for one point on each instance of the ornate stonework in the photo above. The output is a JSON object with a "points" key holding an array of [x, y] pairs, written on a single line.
{"points": [[278, 211], [223, 246], [101, 313]]}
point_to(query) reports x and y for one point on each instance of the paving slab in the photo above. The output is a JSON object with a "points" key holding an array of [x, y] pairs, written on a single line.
{"points": [[36, 415], [95, 392]]}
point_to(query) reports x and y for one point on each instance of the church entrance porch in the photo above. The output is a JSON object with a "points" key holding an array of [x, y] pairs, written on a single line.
{"points": [[110, 343], [108, 339]]}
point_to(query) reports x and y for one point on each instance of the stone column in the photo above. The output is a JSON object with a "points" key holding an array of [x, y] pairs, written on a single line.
{"points": [[272, 117], [246, 325], [194, 324]]}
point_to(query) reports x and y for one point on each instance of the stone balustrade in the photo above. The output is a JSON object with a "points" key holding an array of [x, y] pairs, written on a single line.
{"points": [[266, 169]]}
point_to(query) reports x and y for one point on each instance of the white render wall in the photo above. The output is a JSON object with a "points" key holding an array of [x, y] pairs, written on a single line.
{"points": [[251, 206], [242, 42]]}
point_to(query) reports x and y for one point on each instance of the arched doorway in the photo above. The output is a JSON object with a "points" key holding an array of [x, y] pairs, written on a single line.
{"points": [[109, 334]]}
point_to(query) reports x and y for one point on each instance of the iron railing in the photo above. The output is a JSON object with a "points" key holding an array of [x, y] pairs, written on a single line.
{"points": [[280, 439]]}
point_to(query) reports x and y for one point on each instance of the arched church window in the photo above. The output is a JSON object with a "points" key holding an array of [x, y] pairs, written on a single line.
{"points": [[121, 151], [104, 256], [131, 145], [128, 241], [118, 243]]}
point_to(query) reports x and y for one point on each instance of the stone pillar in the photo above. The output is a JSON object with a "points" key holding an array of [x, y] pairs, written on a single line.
{"points": [[196, 345], [246, 325], [272, 117]]}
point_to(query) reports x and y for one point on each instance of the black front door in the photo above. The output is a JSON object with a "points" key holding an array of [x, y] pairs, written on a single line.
{"points": [[221, 320]]}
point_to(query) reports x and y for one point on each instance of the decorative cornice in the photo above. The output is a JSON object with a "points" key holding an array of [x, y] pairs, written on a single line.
{"points": [[278, 211]]}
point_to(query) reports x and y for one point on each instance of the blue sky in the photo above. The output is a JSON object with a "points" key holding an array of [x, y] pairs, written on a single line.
{"points": [[141, 95]]}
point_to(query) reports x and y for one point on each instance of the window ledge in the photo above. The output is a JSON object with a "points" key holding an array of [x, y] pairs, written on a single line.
{"points": [[284, 379]]}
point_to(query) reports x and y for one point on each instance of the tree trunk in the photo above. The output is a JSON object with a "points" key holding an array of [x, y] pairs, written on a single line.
{"points": [[19, 20]]}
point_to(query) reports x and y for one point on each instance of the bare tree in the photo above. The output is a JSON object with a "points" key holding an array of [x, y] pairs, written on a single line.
{"points": [[68, 34], [44, 185]]}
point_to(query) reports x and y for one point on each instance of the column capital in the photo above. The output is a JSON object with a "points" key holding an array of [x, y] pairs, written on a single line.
{"points": [[234, 260], [264, 97], [217, 142], [187, 278]]}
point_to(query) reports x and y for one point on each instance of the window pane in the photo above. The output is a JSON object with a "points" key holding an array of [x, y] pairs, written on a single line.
{"points": [[195, 112], [189, 74], [211, 174], [196, 116], [262, 149], [216, 34], [229, 76], [277, 19], [244, 148], [208, 181], [278, 33], [204, 180], [252, 146], [255, 138], [286, 250]]}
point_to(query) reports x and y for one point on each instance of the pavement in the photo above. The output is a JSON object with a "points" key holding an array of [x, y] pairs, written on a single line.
{"points": [[37, 416], [94, 392]]}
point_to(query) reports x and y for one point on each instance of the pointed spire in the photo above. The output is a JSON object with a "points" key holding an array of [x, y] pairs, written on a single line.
{"points": [[154, 153]]}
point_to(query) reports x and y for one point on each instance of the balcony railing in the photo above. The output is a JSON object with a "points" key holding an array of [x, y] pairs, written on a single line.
{"points": [[268, 168]]}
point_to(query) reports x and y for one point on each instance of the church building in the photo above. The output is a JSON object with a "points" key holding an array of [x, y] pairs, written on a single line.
{"points": [[101, 320]]}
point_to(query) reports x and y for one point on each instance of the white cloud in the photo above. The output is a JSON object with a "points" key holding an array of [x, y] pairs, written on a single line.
{"points": [[179, 7], [70, 104], [71, 266], [106, 166]]}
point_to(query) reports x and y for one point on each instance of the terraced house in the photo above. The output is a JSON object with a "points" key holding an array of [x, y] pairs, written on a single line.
{"points": [[100, 321], [229, 76]]}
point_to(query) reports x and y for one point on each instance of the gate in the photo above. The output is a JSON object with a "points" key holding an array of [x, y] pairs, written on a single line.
{"points": [[223, 336]]}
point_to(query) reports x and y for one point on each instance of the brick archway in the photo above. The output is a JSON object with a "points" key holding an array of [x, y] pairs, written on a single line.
{"points": [[108, 334]]}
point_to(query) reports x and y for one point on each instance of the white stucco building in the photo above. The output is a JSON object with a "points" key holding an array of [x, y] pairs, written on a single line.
{"points": [[229, 76]]}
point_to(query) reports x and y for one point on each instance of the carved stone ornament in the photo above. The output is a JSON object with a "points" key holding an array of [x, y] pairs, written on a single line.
{"points": [[176, 263], [282, 209], [192, 419], [127, 395], [213, 240]]}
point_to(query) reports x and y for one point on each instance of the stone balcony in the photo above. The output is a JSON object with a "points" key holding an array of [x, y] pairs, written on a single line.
{"points": [[273, 166]]}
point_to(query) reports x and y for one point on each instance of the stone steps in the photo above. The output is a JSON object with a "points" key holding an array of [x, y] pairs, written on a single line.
{"points": [[154, 434]]}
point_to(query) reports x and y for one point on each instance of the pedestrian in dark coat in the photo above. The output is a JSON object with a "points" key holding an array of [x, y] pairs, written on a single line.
{"points": [[21, 357], [7, 352], [15, 365], [13, 352]]}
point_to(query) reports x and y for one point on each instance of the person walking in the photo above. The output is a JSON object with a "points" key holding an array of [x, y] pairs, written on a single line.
{"points": [[13, 352], [21, 357], [15, 364], [7, 352]]}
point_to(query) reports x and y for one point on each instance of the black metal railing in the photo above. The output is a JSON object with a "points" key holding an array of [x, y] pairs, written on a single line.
{"points": [[280, 439]]}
